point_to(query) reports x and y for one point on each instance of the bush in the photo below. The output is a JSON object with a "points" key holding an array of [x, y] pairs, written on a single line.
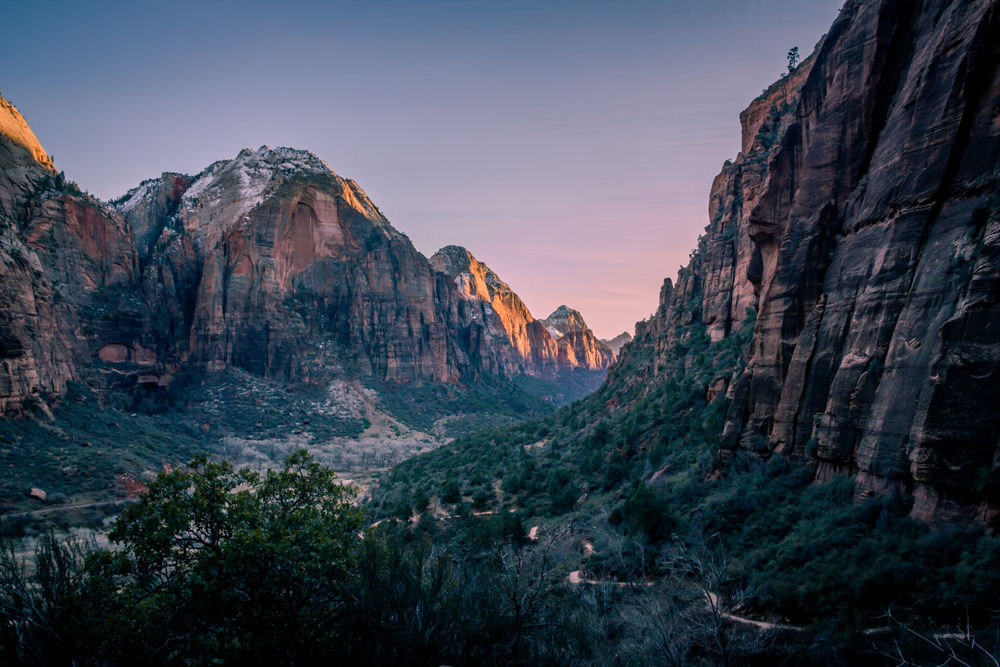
{"points": [[213, 562]]}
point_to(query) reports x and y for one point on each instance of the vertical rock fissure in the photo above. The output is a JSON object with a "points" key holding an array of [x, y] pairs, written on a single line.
{"points": [[818, 311], [975, 81], [896, 18]]}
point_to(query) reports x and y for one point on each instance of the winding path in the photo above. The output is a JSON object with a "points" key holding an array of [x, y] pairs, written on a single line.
{"points": [[63, 508]]}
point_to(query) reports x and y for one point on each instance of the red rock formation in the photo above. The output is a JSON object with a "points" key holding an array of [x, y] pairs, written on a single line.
{"points": [[539, 348], [58, 249], [273, 263], [863, 220], [269, 262], [578, 347], [874, 335], [504, 317]]}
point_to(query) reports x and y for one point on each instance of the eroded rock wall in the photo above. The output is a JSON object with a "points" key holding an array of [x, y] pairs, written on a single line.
{"points": [[560, 343], [861, 221], [60, 250]]}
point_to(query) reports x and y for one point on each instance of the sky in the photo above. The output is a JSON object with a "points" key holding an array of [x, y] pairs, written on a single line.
{"points": [[570, 145]]}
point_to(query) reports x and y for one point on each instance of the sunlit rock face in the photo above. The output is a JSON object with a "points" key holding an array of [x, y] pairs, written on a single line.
{"points": [[273, 263], [862, 221], [505, 322], [58, 249], [538, 348], [269, 262], [16, 132], [578, 347]]}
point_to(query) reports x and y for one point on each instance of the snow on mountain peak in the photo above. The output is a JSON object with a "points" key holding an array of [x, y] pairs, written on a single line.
{"points": [[223, 196], [565, 319], [252, 175]]}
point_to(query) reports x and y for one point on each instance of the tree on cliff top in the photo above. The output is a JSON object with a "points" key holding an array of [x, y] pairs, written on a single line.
{"points": [[793, 58]]}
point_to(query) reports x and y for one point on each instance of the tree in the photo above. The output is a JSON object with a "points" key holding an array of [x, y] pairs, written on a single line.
{"points": [[238, 565], [793, 58], [448, 599], [215, 564], [958, 645]]}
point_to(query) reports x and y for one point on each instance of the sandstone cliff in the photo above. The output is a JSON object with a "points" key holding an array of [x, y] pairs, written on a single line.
{"points": [[58, 249], [538, 348], [15, 130], [577, 343], [268, 262], [862, 221]]}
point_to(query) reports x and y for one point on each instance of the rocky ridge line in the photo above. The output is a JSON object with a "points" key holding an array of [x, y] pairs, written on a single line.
{"points": [[268, 262], [861, 223]]}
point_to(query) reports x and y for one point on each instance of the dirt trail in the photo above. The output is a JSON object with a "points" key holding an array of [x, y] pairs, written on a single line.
{"points": [[763, 625], [576, 578], [63, 508]]}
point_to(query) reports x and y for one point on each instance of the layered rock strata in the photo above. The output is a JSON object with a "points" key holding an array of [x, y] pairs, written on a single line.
{"points": [[539, 348], [578, 346], [269, 262], [861, 221], [58, 248]]}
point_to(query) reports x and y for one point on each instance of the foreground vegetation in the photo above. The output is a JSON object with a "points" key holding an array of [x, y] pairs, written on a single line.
{"points": [[638, 468], [614, 531], [85, 451], [215, 564], [226, 566]]}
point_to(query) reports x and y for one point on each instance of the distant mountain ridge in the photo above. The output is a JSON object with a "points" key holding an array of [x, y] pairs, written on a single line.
{"points": [[618, 342], [268, 262], [540, 351]]}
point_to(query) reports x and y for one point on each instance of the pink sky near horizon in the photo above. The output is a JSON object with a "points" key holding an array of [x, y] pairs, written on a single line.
{"points": [[569, 145]]}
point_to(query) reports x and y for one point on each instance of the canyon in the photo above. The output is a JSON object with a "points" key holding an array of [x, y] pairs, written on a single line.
{"points": [[857, 229], [794, 460], [269, 263]]}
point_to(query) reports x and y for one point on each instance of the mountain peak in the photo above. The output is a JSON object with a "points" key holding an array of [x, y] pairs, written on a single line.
{"points": [[224, 194], [475, 278], [452, 259], [565, 319], [16, 128], [618, 342], [284, 157], [254, 173]]}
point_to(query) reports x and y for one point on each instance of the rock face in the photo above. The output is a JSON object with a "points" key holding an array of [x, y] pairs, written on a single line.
{"points": [[862, 221], [273, 263], [537, 347], [297, 275], [269, 262], [618, 342], [58, 249], [577, 344], [564, 320], [15, 129]]}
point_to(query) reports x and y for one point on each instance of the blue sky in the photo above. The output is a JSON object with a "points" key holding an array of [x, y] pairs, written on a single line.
{"points": [[570, 145]]}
